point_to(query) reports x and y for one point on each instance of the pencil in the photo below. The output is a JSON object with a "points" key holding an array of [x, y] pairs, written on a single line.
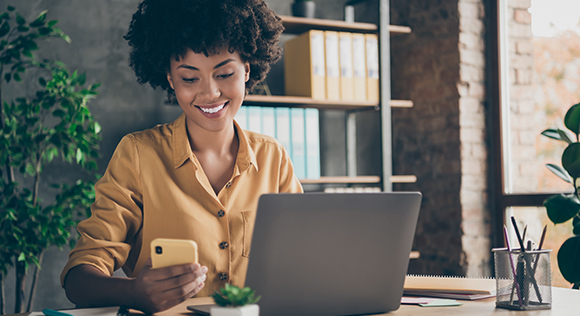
{"points": [[509, 248]]}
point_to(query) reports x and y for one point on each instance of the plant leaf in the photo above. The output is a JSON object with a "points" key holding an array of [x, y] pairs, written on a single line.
{"points": [[571, 160], [569, 259], [4, 29], [564, 136], [576, 224], [572, 118], [561, 208], [560, 172], [552, 133]]}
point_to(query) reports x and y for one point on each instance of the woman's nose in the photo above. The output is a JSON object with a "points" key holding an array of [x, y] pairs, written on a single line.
{"points": [[210, 90]]}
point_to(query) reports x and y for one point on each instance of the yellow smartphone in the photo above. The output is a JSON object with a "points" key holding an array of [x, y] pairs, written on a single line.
{"points": [[169, 252]]}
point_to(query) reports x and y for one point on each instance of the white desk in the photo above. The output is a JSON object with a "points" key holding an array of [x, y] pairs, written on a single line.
{"points": [[564, 302]]}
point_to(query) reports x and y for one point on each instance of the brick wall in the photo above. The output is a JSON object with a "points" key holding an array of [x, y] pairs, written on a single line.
{"points": [[442, 139], [524, 169]]}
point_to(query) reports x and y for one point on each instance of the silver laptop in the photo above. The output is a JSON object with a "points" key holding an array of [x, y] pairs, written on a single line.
{"points": [[332, 254]]}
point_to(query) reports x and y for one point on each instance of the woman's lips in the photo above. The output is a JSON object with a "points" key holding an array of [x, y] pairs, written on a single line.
{"points": [[212, 109]]}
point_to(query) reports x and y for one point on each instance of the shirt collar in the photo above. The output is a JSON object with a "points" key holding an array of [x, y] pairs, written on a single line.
{"points": [[182, 150]]}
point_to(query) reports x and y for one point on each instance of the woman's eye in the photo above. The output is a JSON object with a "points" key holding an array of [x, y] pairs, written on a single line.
{"points": [[226, 75], [189, 79]]}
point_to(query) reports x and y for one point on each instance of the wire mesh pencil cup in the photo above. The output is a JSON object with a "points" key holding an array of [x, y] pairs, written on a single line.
{"points": [[523, 279]]}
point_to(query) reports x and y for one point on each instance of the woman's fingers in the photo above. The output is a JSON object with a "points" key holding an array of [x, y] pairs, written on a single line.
{"points": [[177, 294], [166, 287]]}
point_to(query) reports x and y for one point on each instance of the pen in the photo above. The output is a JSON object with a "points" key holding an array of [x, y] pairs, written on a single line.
{"points": [[538, 254], [50, 312], [542, 238], [509, 248], [518, 235], [532, 273]]}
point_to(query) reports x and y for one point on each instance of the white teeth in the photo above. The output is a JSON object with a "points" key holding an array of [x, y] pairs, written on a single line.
{"points": [[213, 110]]}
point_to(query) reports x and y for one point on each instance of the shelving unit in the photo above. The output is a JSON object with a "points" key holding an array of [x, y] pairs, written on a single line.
{"points": [[297, 25], [304, 102]]}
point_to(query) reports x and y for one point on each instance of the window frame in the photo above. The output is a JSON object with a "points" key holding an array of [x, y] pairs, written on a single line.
{"points": [[500, 201]]}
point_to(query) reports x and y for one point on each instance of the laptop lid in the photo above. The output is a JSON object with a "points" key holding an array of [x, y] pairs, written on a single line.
{"points": [[331, 253]]}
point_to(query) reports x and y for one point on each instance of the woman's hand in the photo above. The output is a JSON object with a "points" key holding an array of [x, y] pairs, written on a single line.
{"points": [[156, 290]]}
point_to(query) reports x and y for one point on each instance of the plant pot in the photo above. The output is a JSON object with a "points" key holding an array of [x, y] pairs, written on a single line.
{"points": [[304, 9], [248, 310]]}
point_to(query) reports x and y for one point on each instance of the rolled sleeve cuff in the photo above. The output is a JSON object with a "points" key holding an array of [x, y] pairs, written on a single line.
{"points": [[98, 258]]}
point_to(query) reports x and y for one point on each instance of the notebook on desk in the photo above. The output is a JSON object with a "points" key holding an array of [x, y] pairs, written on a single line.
{"points": [[331, 254]]}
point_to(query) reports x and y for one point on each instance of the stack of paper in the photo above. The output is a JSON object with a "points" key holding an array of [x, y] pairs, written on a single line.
{"points": [[450, 287]]}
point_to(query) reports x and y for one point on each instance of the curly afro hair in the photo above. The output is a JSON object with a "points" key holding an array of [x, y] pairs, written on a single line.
{"points": [[165, 29]]}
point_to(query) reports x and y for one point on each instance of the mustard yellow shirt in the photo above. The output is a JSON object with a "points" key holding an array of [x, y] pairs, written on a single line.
{"points": [[154, 187]]}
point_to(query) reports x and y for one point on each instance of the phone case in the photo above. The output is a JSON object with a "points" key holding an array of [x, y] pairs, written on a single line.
{"points": [[169, 252]]}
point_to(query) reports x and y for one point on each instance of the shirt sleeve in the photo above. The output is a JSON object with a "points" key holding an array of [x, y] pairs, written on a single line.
{"points": [[288, 181], [106, 237]]}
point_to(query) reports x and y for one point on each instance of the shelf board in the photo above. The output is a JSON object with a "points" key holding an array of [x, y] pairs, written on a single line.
{"points": [[298, 25], [358, 179], [345, 179], [293, 101], [403, 179]]}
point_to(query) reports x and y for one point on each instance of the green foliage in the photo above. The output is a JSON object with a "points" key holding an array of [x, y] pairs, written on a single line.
{"points": [[233, 296], [564, 207], [569, 259], [54, 122]]}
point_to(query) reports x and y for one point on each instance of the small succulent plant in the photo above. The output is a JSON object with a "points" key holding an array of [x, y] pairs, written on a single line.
{"points": [[233, 296]]}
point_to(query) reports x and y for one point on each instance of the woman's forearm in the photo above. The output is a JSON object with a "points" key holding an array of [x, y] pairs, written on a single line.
{"points": [[87, 286]]}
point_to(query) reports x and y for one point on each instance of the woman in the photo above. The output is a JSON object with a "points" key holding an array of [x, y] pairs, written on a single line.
{"points": [[197, 178]]}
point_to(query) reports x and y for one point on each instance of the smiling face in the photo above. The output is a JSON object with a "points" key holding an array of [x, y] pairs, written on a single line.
{"points": [[209, 89]]}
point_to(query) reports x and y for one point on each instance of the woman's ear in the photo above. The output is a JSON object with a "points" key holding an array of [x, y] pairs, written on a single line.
{"points": [[247, 70], [170, 80]]}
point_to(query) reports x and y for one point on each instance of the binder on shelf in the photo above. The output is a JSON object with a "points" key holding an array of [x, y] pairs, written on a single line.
{"points": [[346, 66], [242, 117], [268, 122], [298, 140], [332, 65], [304, 69], [312, 144], [282, 116], [372, 62], [254, 119], [359, 66]]}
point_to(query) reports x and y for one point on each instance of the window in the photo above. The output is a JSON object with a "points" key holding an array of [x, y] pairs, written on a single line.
{"points": [[535, 48]]}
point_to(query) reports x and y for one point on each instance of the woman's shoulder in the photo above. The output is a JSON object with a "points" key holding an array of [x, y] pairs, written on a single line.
{"points": [[159, 131], [262, 140]]}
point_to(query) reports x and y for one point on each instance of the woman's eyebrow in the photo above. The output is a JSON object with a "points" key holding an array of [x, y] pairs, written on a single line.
{"points": [[215, 67]]}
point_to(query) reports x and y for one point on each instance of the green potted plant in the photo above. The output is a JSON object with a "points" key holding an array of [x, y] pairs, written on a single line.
{"points": [[564, 207], [233, 301], [304, 8], [53, 122]]}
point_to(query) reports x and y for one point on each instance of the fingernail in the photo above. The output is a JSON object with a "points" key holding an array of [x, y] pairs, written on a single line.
{"points": [[204, 269], [203, 277]]}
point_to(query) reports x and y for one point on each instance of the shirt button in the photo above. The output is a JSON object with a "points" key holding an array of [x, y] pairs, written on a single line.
{"points": [[223, 245], [221, 213], [229, 184], [223, 276]]}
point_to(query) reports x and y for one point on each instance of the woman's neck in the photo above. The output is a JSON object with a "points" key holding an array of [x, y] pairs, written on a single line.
{"points": [[215, 142]]}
